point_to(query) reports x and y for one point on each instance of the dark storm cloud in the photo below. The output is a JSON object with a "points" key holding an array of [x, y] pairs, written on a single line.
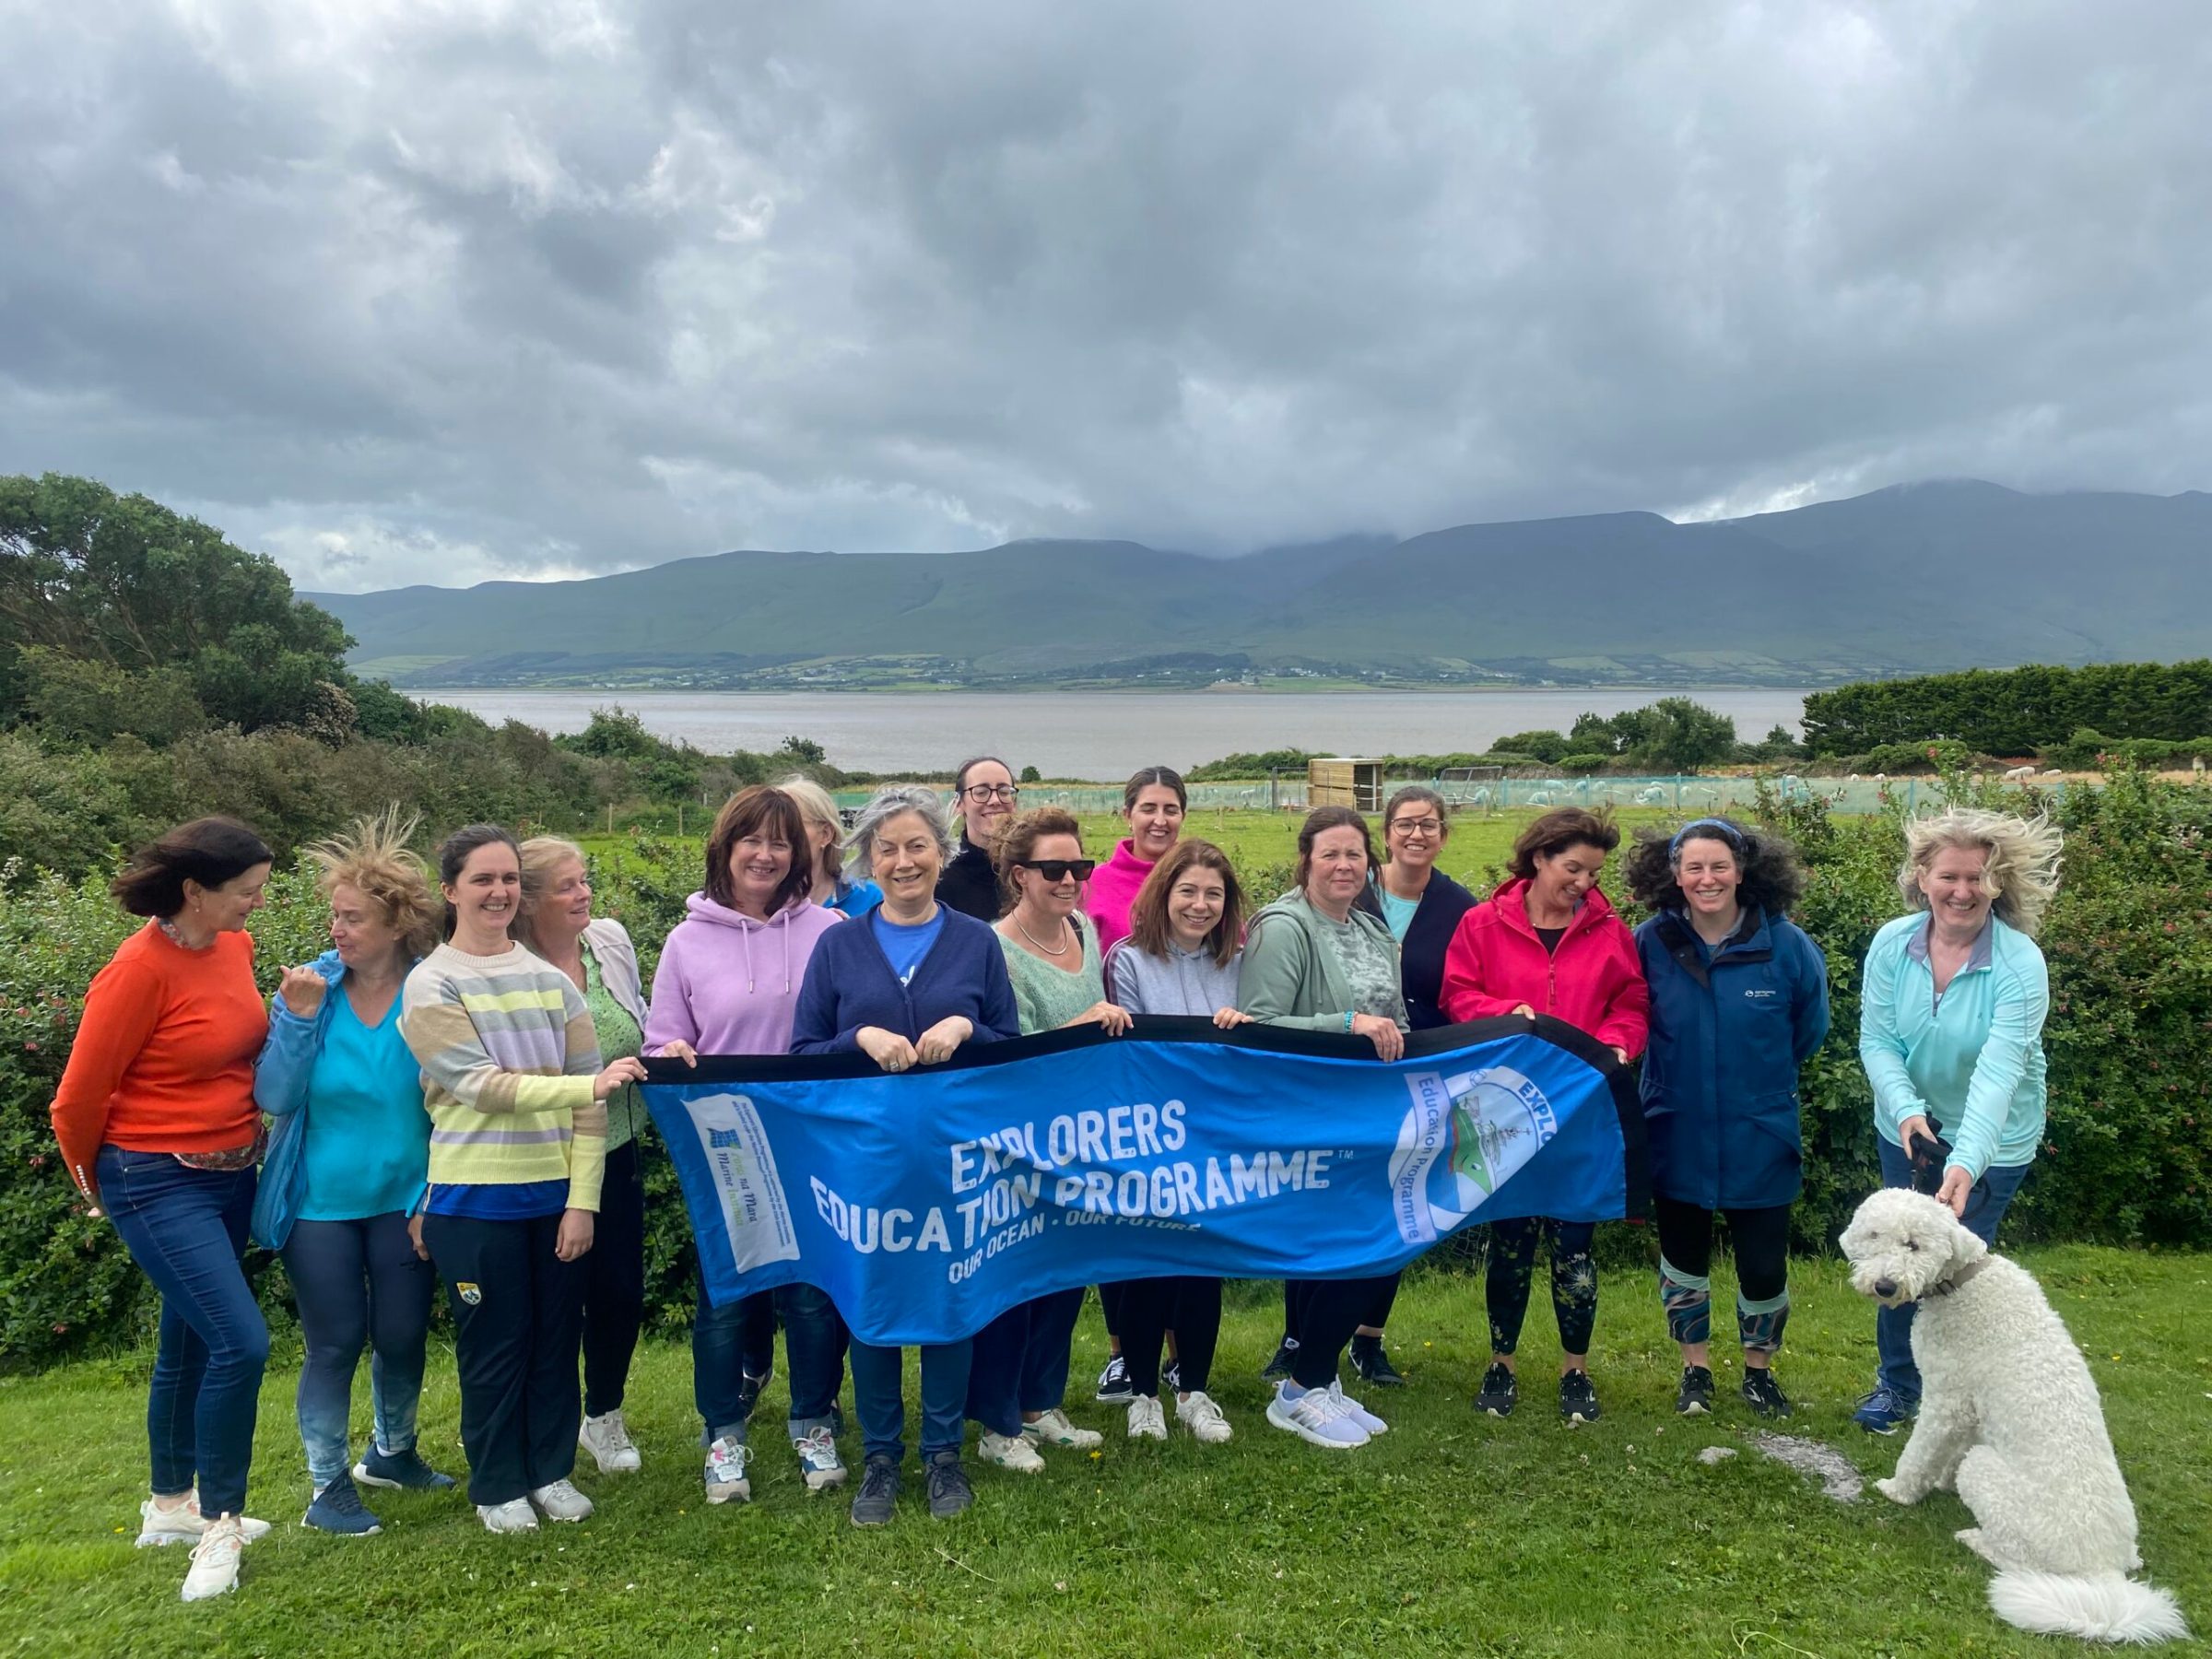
{"points": [[407, 293]]}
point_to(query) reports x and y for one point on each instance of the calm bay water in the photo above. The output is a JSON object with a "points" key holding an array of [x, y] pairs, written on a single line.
{"points": [[1109, 734]]}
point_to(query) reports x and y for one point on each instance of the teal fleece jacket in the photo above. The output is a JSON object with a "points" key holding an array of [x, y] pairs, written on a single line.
{"points": [[1974, 1065]]}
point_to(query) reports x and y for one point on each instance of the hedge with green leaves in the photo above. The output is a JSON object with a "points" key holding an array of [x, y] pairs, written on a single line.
{"points": [[2127, 1158]]}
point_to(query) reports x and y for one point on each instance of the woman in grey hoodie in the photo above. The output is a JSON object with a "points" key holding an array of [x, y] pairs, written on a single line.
{"points": [[1317, 962]]}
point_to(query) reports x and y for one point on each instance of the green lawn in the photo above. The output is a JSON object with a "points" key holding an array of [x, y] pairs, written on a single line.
{"points": [[1451, 1534]]}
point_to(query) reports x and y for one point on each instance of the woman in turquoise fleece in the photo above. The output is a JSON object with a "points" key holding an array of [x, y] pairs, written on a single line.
{"points": [[1952, 1004], [347, 1164]]}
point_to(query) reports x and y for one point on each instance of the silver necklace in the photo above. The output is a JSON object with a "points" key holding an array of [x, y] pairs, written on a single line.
{"points": [[1032, 938]]}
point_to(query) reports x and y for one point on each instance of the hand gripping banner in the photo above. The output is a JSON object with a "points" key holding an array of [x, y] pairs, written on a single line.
{"points": [[929, 1202]]}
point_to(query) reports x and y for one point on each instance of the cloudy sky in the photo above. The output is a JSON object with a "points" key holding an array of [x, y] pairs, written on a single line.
{"points": [[405, 291]]}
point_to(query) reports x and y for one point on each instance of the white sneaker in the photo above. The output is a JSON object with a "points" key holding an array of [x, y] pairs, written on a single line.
{"points": [[1316, 1416], [1053, 1430], [1009, 1452], [820, 1464], [515, 1515], [215, 1559], [1147, 1421], [560, 1501], [1197, 1412], [607, 1438], [726, 1478], [184, 1523], [1357, 1412]]}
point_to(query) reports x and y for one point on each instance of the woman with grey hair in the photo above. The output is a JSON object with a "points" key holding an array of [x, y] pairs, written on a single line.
{"points": [[906, 986], [1952, 1003]]}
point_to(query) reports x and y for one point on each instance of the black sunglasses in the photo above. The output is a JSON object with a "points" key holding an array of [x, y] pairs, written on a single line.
{"points": [[1060, 869]]}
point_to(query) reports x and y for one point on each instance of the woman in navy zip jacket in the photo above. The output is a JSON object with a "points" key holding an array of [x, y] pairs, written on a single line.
{"points": [[1739, 1002], [906, 985]]}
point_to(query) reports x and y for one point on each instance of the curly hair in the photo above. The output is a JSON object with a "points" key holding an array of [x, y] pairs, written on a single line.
{"points": [[1562, 828], [373, 858], [2021, 876], [1019, 838], [1771, 878]]}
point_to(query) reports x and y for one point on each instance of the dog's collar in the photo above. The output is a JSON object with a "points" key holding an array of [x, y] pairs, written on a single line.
{"points": [[1944, 1286]]}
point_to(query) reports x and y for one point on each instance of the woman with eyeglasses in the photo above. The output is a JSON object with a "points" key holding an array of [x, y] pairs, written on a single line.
{"points": [[1020, 1374], [984, 794]]}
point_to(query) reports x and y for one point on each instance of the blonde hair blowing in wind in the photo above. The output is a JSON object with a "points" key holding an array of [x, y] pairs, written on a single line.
{"points": [[373, 858], [2021, 876]]}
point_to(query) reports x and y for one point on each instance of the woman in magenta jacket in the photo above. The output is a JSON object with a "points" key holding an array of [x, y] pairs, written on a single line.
{"points": [[1547, 942]]}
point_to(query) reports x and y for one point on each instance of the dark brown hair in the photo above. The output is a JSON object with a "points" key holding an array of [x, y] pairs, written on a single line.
{"points": [[1019, 838], [209, 851], [1148, 927], [1562, 828], [1770, 877], [759, 809], [454, 854], [1406, 797], [1167, 777], [1324, 818]]}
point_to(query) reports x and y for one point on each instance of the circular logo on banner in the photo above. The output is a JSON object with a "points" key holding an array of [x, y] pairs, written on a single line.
{"points": [[1496, 1120]]}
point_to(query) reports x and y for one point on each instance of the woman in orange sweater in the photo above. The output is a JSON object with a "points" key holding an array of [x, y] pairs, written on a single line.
{"points": [[157, 1127]]}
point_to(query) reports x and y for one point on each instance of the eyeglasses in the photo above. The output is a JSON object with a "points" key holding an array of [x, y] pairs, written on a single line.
{"points": [[1060, 869], [979, 793], [1422, 825]]}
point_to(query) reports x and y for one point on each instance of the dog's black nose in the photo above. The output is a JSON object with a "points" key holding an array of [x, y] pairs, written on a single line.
{"points": [[1885, 1287]]}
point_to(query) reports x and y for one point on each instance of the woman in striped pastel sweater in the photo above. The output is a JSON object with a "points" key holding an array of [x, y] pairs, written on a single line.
{"points": [[518, 1146]]}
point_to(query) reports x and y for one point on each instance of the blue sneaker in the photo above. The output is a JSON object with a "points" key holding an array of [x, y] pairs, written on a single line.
{"points": [[337, 1509], [399, 1469], [1885, 1411]]}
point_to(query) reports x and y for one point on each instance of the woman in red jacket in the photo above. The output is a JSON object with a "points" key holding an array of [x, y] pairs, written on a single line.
{"points": [[1547, 942]]}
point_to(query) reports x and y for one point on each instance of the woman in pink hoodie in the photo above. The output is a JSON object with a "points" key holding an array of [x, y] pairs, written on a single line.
{"points": [[1153, 802], [729, 983], [1548, 942]]}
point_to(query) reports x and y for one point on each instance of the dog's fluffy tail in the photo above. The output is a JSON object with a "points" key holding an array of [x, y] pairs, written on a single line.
{"points": [[2106, 1608]]}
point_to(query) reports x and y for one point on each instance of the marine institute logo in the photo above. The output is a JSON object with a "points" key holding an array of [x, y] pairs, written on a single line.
{"points": [[1464, 1135]]}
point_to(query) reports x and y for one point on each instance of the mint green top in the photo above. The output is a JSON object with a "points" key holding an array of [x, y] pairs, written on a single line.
{"points": [[1049, 996], [619, 1039]]}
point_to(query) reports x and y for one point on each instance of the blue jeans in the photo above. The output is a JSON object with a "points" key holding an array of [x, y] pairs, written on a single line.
{"points": [[1021, 1361], [878, 1376], [1985, 1206], [358, 1284], [186, 1230], [739, 1337]]}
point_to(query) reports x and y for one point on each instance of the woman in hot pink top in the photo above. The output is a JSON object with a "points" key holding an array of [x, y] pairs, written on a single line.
{"points": [[1153, 802]]}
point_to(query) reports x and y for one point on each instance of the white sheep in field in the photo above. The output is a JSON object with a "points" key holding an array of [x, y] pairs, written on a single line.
{"points": [[1651, 794], [1541, 797], [2020, 772], [2055, 772]]}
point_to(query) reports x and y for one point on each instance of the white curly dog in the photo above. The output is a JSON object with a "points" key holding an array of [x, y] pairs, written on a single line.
{"points": [[2009, 1420]]}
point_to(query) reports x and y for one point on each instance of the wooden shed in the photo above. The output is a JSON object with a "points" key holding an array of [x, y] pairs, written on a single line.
{"points": [[1344, 780]]}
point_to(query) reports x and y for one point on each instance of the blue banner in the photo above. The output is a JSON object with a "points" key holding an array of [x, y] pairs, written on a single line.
{"points": [[929, 1202]]}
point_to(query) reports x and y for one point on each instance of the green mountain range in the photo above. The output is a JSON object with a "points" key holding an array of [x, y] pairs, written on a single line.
{"points": [[1912, 579]]}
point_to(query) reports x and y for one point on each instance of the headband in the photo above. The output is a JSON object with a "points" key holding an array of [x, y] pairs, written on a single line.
{"points": [[1729, 832]]}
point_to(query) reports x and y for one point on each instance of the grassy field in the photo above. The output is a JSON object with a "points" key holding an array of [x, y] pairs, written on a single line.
{"points": [[1451, 1534]]}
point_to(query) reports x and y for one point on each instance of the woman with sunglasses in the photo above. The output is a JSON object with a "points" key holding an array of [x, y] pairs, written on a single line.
{"points": [[984, 794], [1020, 1377]]}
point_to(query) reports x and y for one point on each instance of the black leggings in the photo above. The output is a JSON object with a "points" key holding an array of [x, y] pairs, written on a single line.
{"points": [[1573, 1280], [1377, 1313], [614, 1282], [1149, 1309], [1761, 1242], [1323, 1315]]}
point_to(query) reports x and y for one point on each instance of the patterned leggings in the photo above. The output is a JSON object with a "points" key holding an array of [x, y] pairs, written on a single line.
{"points": [[1761, 1241], [1573, 1280]]}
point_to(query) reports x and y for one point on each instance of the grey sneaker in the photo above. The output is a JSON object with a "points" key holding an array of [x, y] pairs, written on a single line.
{"points": [[878, 1494], [950, 1492]]}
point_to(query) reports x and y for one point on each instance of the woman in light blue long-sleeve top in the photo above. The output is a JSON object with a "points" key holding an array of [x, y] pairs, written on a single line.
{"points": [[346, 1166], [1952, 1002]]}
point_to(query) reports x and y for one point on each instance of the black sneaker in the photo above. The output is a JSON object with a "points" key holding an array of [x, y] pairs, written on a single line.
{"points": [[950, 1492], [1114, 1383], [1500, 1391], [1373, 1365], [1578, 1399], [1171, 1376], [1694, 1398], [879, 1493], [400, 1469], [1277, 1369], [1763, 1395]]}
